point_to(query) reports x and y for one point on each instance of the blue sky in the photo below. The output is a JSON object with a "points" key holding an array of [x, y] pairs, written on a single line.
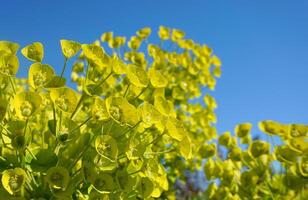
{"points": [[263, 44]]}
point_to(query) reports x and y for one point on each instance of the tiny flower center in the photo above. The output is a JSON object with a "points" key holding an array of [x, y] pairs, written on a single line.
{"points": [[26, 109]]}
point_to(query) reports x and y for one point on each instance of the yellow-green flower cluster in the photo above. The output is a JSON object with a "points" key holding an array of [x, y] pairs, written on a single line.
{"points": [[129, 130]]}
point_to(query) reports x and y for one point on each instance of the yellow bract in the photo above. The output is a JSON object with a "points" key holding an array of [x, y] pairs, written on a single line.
{"points": [[106, 37], [26, 104], [144, 32], [116, 42], [137, 76], [185, 148], [177, 34], [8, 64], [106, 146], [9, 47], [122, 111], [34, 52], [157, 79], [164, 33], [40, 75], [95, 54], [64, 98], [258, 148], [58, 177], [13, 180], [134, 42], [69, 48], [242, 130], [175, 129]]}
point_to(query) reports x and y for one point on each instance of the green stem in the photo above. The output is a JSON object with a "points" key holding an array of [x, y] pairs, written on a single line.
{"points": [[156, 139], [63, 68], [9, 132], [54, 119], [135, 172], [12, 84], [102, 81], [143, 90], [129, 130], [80, 125], [125, 93], [31, 153], [77, 106], [82, 152], [162, 152]]}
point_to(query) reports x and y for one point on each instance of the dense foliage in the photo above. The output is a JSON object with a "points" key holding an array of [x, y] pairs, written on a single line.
{"points": [[129, 130]]}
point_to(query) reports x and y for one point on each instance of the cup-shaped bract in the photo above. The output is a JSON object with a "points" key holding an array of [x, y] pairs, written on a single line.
{"points": [[116, 42], [64, 98], [164, 33], [102, 182], [235, 154], [298, 130], [273, 128], [40, 75], [137, 75], [58, 177], [106, 37], [118, 66], [157, 79], [99, 110], [144, 32], [13, 180], [175, 129], [146, 187], [106, 146], [207, 150], [69, 48], [299, 144], [249, 178], [9, 47], [122, 111], [164, 106], [125, 181], [258, 148], [177, 34], [9, 64], [225, 139], [186, 148], [34, 52], [285, 154], [150, 116], [242, 130], [302, 166], [134, 42], [96, 55], [26, 104]]}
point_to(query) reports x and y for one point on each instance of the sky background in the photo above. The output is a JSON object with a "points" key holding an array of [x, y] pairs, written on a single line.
{"points": [[263, 44]]}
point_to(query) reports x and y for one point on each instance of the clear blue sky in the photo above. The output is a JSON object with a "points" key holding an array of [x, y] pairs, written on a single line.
{"points": [[263, 44]]}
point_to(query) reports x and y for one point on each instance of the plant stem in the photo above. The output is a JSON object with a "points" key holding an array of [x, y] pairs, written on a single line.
{"points": [[125, 93], [77, 106], [129, 130], [143, 90], [63, 68], [80, 125], [12, 84], [102, 81]]}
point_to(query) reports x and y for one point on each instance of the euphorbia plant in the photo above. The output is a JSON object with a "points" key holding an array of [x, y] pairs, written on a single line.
{"points": [[129, 129], [109, 138]]}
